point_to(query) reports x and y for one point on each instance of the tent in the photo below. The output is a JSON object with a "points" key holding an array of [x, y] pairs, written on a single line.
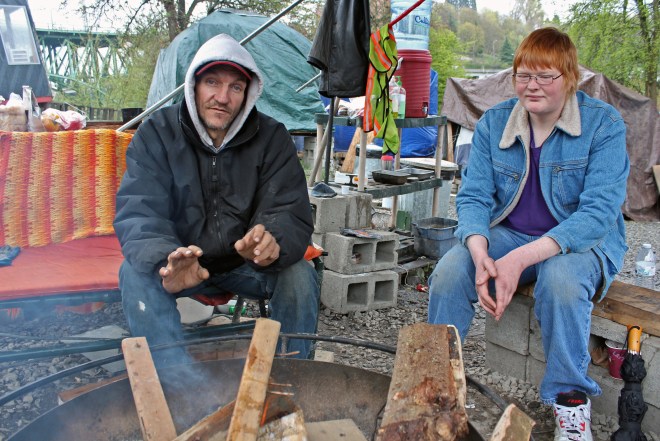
{"points": [[466, 100], [279, 51], [20, 59]]}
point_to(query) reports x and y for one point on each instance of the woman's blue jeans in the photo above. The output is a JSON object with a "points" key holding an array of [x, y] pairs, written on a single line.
{"points": [[151, 312], [565, 285]]}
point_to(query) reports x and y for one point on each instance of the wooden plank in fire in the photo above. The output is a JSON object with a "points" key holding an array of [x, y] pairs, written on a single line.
{"points": [[424, 402], [248, 411], [154, 415]]}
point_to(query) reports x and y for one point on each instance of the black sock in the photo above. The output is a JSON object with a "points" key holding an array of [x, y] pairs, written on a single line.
{"points": [[573, 398]]}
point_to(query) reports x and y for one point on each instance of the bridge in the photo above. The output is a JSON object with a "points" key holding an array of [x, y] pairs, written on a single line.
{"points": [[80, 57]]}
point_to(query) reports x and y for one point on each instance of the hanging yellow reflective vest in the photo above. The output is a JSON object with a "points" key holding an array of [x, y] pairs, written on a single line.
{"points": [[377, 107]]}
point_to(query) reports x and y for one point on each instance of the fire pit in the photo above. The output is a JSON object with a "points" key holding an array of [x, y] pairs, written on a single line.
{"points": [[324, 391]]}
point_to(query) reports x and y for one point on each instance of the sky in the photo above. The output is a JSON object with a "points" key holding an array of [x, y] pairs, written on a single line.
{"points": [[46, 13]]}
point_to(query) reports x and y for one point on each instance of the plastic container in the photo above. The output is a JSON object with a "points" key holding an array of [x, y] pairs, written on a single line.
{"points": [[415, 72], [412, 32], [434, 236], [387, 162], [374, 152], [645, 267]]}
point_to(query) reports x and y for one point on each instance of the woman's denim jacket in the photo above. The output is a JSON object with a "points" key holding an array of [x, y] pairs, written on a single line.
{"points": [[583, 171]]}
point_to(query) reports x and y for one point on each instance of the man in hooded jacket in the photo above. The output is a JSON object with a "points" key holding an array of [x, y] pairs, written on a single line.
{"points": [[214, 200]]}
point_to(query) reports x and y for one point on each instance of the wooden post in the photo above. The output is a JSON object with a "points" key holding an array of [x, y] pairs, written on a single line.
{"points": [[249, 407], [154, 415]]}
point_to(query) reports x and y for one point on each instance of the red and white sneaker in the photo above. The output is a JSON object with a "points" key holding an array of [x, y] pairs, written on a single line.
{"points": [[573, 417]]}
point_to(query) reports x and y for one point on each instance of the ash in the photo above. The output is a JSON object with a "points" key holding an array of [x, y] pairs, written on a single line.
{"points": [[43, 328]]}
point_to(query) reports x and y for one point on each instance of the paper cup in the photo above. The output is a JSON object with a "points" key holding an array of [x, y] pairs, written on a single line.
{"points": [[615, 355], [345, 189]]}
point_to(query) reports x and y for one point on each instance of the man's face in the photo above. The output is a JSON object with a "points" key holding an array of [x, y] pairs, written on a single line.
{"points": [[219, 96]]}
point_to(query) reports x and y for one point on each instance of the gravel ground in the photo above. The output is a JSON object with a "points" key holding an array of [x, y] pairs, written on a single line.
{"points": [[381, 326]]}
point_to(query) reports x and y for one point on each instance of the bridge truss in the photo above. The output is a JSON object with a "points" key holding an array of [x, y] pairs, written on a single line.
{"points": [[79, 57]]}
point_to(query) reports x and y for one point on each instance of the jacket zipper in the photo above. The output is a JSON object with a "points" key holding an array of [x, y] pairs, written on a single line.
{"points": [[215, 191]]}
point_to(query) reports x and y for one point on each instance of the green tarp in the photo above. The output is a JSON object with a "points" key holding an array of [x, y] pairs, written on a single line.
{"points": [[280, 53]]}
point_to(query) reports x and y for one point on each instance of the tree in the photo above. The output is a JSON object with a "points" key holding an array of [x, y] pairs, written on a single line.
{"points": [[506, 53], [530, 11], [458, 4], [176, 15], [445, 47], [621, 39]]}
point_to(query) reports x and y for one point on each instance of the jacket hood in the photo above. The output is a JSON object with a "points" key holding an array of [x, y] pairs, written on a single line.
{"points": [[222, 48]]}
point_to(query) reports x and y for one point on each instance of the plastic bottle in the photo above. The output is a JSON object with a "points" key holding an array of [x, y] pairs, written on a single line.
{"points": [[387, 162], [645, 266], [401, 95], [412, 32], [394, 97]]}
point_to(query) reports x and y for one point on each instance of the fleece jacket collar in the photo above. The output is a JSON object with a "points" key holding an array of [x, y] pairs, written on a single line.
{"points": [[518, 123]]}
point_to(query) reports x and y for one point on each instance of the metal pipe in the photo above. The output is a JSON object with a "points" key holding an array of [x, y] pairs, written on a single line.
{"points": [[170, 95], [308, 82]]}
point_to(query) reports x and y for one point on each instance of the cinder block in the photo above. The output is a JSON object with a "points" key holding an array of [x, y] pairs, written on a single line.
{"points": [[608, 329], [506, 362], [607, 402], [651, 385], [512, 331], [535, 370], [319, 239], [354, 255], [344, 293], [651, 421], [358, 210], [329, 214], [535, 342]]}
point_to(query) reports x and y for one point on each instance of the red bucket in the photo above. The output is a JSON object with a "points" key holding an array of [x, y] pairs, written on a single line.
{"points": [[415, 72]]}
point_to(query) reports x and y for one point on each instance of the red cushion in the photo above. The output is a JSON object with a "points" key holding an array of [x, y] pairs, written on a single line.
{"points": [[82, 265]]}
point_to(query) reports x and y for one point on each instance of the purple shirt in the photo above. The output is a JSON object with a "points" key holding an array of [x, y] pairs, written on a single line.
{"points": [[531, 215]]}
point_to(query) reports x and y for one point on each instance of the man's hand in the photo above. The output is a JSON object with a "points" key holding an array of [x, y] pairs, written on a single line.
{"points": [[259, 246], [183, 269]]}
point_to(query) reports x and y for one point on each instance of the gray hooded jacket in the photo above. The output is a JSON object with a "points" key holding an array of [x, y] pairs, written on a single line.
{"points": [[180, 190]]}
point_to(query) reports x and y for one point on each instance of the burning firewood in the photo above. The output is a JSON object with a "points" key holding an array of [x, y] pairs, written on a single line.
{"points": [[249, 407], [424, 403], [154, 415]]}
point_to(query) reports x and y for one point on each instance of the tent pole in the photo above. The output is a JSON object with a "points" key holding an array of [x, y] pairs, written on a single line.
{"points": [[170, 95], [328, 149]]}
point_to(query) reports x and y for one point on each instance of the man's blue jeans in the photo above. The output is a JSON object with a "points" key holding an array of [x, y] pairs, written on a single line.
{"points": [[152, 312], [565, 285]]}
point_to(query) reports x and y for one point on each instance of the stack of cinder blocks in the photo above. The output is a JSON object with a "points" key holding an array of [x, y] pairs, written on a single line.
{"points": [[513, 347], [358, 272]]}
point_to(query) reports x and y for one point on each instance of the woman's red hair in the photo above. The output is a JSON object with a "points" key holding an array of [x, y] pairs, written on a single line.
{"points": [[550, 48]]}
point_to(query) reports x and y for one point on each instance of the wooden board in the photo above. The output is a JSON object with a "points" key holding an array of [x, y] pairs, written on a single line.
{"points": [[625, 304], [513, 425], [154, 415], [249, 407], [344, 430], [212, 427], [423, 402]]}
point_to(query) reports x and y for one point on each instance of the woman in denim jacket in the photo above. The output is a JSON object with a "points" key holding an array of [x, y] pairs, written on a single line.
{"points": [[540, 200]]}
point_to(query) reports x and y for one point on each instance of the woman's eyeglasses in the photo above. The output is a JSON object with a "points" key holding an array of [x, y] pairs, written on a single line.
{"points": [[543, 79]]}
